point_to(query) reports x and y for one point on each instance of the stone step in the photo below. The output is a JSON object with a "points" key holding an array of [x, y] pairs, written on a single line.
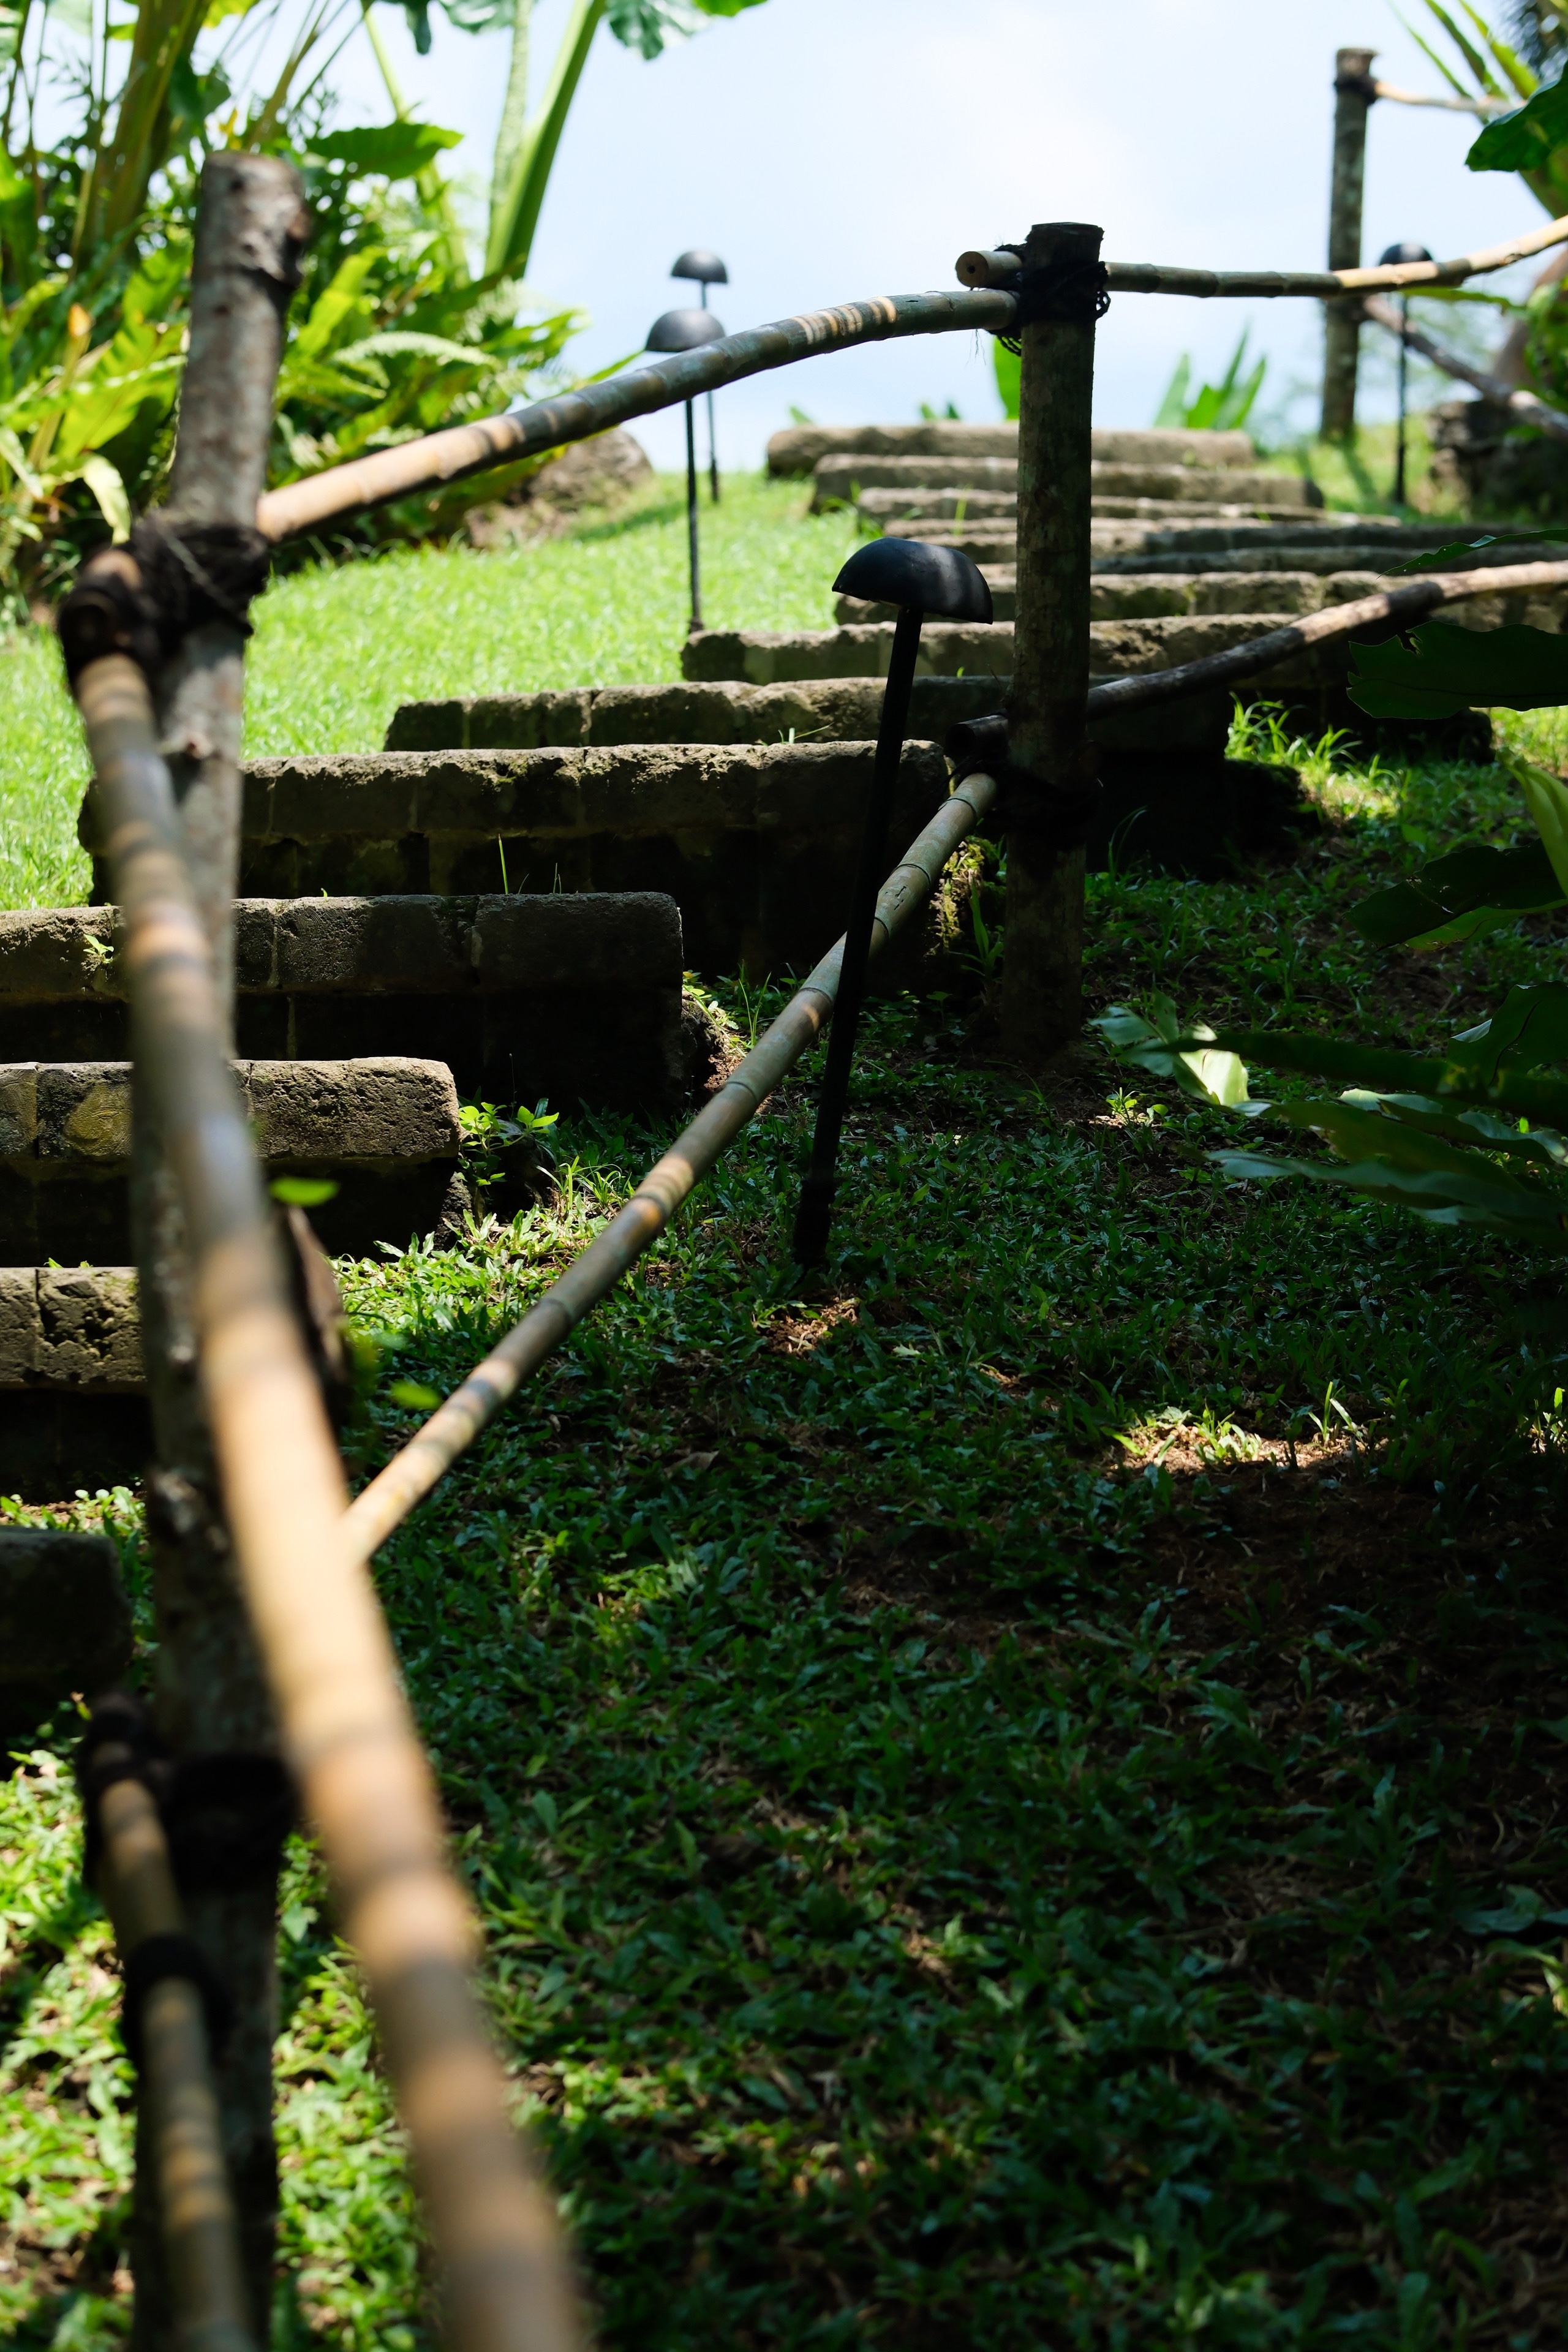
{"points": [[385, 1132], [1133, 595], [73, 1408], [801, 447], [1118, 648], [1131, 546], [840, 481], [845, 711], [572, 996], [753, 840], [64, 1621]]}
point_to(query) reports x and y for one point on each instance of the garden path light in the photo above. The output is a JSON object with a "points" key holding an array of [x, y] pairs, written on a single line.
{"points": [[708, 270], [919, 579], [1388, 259], [688, 331]]}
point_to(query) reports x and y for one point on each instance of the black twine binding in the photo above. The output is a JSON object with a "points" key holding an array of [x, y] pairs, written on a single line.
{"points": [[225, 1816], [1073, 293], [156, 1958], [188, 574], [1025, 804]]}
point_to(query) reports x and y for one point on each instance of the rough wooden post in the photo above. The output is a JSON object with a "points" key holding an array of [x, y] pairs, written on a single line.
{"points": [[210, 1695], [1354, 97], [1042, 998]]}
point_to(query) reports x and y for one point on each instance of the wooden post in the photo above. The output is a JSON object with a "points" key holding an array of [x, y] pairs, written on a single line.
{"points": [[210, 1695], [1354, 97], [1042, 1000]]}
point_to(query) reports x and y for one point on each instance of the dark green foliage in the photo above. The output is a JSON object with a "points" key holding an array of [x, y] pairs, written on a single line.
{"points": [[1440, 669], [1457, 896], [1526, 140]]}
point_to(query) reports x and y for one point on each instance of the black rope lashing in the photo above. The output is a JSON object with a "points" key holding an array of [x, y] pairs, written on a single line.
{"points": [[1073, 293], [1054, 816], [226, 1818], [225, 1815], [145, 598], [155, 1959]]}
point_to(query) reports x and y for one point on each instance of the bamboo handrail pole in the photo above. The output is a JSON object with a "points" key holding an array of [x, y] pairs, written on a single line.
{"points": [[346, 1727], [1483, 108], [1524, 404], [408, 1477], [200, 2227], [436, 458], [979, 269], [1407, 604]]}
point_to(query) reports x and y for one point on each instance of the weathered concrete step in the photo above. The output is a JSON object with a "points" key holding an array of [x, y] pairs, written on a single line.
{"points": [[844, 711], [801, 449], [573, 997], [65, 1621], [1117, 648], [1140, 596], [755, 843], [841, 480], [73, 1409], [385, 1132], [891, 509], [1135, 547]]}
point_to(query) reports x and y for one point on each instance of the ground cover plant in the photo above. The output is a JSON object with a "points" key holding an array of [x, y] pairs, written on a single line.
{"points": [[1017, 1789]]}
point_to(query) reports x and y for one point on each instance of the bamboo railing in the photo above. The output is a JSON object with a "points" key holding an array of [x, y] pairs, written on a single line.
{"points": [[300, 1546]]}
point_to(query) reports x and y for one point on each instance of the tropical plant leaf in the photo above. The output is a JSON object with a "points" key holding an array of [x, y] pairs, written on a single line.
{"points": [[1547, 796], [1209, 1073], [1457, 896], [388, 151], [1525, 139], [1452, 555], [1441, 669], [103, 480]]}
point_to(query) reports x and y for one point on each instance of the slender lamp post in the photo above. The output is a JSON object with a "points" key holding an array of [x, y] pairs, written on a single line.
{"points": [[919, 579], [1392, 255], [688, 331], [708, 270]]}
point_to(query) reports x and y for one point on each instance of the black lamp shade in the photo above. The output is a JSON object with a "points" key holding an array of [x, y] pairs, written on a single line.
{"points": [[704, 267], [683, 330], [1396, 254], [940, 581]]}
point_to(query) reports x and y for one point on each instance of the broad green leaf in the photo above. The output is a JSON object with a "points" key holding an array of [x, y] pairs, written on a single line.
{"points": [[303, 1191], [103, 480], [1445, 669], [1197, 1066], [1457, 896], [390, 151], [1526, 139], [1548, 799], [333, 306], [1456, 551]]}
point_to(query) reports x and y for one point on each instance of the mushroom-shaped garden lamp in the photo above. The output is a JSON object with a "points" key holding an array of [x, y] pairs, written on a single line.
{"points": [[919, 579], [708, 270], [1390, 259], [688, 331]]}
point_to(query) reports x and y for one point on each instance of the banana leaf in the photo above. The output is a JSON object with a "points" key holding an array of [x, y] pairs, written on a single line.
{"points": [[1457, 554], [1441, 669], [1456, 898], [1525, 139]]}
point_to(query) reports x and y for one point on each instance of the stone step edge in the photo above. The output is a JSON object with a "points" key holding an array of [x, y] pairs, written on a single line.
{"points": [[547, 946], [376, 1112]]}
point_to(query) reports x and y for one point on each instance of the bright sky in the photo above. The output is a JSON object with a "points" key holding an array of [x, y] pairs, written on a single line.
{"points": [[829, 149]]}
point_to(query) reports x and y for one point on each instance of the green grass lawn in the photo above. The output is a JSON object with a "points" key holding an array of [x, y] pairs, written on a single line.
{"points": [[1018, 1789]]}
